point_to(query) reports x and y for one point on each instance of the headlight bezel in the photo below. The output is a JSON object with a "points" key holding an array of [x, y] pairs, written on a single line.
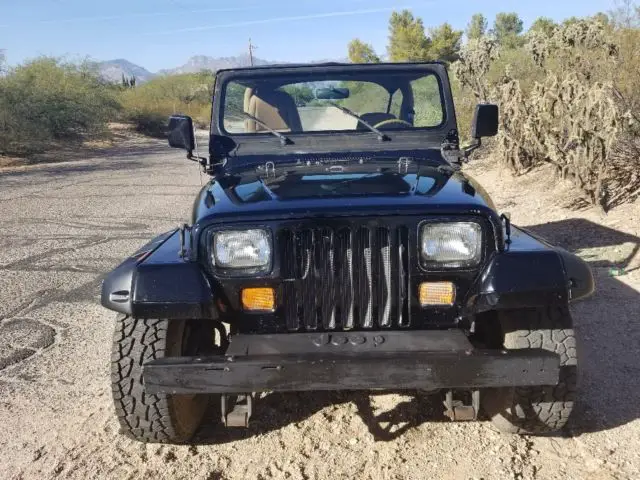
{"points": [[461, 265], [227, 271]]}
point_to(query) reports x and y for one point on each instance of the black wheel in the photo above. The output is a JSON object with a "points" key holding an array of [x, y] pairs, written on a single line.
{"points": [[536, 410], [159, 417]]}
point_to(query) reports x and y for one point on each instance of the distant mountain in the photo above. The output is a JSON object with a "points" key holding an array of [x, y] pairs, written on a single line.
{"points": [[198, 63], [112, 70]]}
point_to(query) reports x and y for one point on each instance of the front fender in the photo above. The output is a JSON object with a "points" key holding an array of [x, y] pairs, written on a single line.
{"points": [[531, 273], [157, 282]]}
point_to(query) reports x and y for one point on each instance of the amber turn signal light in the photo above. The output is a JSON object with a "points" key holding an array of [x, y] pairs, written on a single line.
{"points": [[259, 299], [437, 293]]}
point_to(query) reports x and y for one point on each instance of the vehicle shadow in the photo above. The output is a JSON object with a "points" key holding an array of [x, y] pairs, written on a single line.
{"points": [[274, 411], [608, 333]]}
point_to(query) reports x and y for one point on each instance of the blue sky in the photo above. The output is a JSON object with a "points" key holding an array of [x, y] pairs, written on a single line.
{"points": [[164, 33]]}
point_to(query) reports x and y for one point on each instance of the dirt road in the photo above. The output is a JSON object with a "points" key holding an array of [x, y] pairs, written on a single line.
{"points": [[63, 226]]}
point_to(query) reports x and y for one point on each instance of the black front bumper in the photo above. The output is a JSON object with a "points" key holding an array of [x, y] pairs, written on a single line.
{"points": [[351, 361]]}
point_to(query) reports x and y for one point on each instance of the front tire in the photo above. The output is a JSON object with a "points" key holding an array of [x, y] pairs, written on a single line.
{"points": [[156, 418], [543, 409]]}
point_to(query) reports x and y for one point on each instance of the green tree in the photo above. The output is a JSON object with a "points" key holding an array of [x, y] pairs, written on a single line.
{"points": [[445, 43], [360, 52], [477, 27], [544, 25], [301, 94], [407, 39], [570, 21], [603, 18], [507, 29]]}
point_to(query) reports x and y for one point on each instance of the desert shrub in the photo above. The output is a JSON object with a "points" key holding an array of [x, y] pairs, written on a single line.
{"points": [[46, 100], [368, 97], [565, 99], [427, 102], [149, 105], [625, 76], [476, 58], [465, 105]]}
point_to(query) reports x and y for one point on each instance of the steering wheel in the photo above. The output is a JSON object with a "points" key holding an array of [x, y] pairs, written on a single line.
{"points": [[392, 124]]}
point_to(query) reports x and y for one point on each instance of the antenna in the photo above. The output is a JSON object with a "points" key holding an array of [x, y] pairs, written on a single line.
{"points": [[252, 47]]}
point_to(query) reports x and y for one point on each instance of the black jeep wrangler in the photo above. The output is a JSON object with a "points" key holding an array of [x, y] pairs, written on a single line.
{"points": [[338, 246]]}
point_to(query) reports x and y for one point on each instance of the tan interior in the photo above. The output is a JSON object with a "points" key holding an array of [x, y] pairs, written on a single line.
{"points": [[275, 108]]}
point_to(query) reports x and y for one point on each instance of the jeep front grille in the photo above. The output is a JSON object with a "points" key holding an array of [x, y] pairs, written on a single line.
{"points": [[345, 278]]}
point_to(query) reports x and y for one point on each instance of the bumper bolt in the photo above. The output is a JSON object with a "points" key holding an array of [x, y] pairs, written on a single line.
{"points": [[378, 339]]}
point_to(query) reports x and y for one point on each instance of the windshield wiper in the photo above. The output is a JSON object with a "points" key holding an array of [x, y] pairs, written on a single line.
{"points": [[284, 140], [381, 136]]}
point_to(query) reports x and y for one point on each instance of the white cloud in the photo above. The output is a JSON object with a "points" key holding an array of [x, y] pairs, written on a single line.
{"points": [[282, 19]]}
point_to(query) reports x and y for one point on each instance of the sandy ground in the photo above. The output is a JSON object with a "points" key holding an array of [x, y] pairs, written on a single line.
{"points": [[62, 226]]}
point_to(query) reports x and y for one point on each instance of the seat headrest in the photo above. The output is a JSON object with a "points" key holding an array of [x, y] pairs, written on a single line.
{"points": [[275, 108]]}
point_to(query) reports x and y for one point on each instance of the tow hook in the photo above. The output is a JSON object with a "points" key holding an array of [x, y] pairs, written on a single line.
{"points": [[458, 411], [236, 409]]}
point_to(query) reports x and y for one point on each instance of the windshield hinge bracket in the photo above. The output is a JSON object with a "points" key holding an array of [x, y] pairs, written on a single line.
{"points": [[403, 164], [270, 169], [506, 221], [184, 249]]}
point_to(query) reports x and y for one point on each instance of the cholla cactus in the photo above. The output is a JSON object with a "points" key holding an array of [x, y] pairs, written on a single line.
{"points": [[513, 138], [569, 119], [565, 122], [538, 45], [474, 63], [587, 33], [588, 123]]}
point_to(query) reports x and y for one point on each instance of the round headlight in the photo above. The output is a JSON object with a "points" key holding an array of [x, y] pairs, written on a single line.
{"points": [[452, 245], [242, 249]]}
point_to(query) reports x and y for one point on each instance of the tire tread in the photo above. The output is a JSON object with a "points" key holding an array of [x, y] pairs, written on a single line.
{"points": [[142, 416], [543, 409]]}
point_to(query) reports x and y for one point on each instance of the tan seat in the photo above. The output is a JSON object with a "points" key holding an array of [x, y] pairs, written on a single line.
{"points": [[274, 107]]}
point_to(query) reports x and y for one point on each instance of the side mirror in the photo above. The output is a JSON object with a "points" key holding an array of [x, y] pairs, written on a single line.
{"points": [[181, 133], [485, 121]]}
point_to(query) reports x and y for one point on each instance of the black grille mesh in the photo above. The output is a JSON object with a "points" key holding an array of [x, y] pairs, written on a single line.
{"points": [[345, 278]]}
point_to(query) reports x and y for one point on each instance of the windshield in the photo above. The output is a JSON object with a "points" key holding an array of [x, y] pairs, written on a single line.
{"points": [[317, 103]]}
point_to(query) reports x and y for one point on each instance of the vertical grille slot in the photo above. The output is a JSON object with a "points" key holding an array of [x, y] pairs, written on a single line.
{"points": [[325, 246], [384, 278], [307, 270], [364, 273], [345, 278], [289, 253], [346, 292], [403, 277]]}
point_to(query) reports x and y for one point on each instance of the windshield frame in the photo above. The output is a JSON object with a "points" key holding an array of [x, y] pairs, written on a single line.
{"points": [[296, 80], [342, 140]]}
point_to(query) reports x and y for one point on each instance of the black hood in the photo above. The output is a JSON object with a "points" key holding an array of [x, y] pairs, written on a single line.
{"points": [[309, 192]]}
